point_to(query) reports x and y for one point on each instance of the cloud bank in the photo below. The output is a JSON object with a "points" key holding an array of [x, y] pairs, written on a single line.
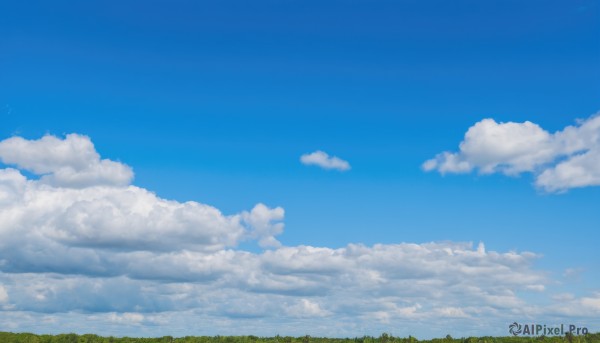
{"points": [[323, 160], [93, 253], [566, 159]]}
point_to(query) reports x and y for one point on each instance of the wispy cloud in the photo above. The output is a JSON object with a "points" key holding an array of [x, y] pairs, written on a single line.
{"points": [[323, 160], [566, 159]]}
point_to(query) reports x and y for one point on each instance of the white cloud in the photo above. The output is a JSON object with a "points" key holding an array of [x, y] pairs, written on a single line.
{"points": [[306, 308], [69, 162], [265, 224], [323, 160], [566, 159], [114, 219], [578, 171], [114, 258], [3, 295]]}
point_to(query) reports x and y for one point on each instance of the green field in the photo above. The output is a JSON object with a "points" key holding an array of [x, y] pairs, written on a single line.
{"points": [[8, 337]]}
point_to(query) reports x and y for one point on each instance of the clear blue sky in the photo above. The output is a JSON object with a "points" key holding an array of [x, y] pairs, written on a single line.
{"points": [[215, 101]]}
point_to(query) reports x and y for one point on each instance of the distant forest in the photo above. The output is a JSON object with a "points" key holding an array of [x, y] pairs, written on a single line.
{"points": [[8, 337]]}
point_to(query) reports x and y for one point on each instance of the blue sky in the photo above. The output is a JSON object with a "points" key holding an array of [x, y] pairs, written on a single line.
{"points": [[215, 102]]}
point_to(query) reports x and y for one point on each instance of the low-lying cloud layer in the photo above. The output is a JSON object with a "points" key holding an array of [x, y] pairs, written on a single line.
{"points": [[95, 253], [566, 159]]}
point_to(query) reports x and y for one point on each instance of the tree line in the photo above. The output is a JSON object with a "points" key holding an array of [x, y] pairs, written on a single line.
{"points": [[9, 337]]}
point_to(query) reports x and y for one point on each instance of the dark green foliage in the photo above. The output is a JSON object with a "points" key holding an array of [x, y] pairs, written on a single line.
{"points": [[8, 337]]}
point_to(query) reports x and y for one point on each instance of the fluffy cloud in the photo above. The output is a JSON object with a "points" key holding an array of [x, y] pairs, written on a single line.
{"points": [[114, 258], [43, 227], [566, 159], [44, 224], [264, 224], [323, 160], [578, 171], [69, 162]]}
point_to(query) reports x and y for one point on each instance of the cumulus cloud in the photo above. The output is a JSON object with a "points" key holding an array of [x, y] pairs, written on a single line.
{"points": [[121, 257], [44, 224], [323, 160], [566, 159], [43, 227], [265, 224], [69, 162]]}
